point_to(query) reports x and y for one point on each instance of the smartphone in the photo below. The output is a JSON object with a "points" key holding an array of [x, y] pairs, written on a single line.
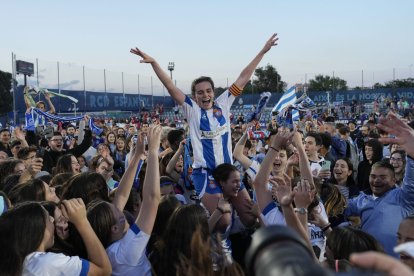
{"points": [[326, 165], [134, 139], [40, 152]]}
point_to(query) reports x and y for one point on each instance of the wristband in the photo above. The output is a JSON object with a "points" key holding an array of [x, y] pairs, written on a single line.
{"points": [[301, 211]]}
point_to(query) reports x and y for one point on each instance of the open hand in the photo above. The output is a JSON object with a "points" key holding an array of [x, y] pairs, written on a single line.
{"points": [[154, 138], [270, 43], [303, 194], [74, 210], [145, 58]]}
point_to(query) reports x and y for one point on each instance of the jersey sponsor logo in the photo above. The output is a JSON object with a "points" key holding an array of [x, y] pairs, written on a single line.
{"points": [[211, 134]]}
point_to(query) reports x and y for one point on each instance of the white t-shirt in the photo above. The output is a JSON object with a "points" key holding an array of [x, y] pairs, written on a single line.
{"points": [[127, 256], [271, 215], [47, 263], [316, 167]]}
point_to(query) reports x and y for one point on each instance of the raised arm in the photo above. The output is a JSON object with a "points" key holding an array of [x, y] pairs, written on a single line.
{"points": [[171, 165], [238, 152], [127, 180], [74, 209], [151, 189], [304, 167], [175, 92], [283, 191], [52, 107], [264, 197], [247, 72]]}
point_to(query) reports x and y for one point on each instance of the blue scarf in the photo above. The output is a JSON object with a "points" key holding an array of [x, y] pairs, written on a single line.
{"points": [[96, 130], [56, 118]]}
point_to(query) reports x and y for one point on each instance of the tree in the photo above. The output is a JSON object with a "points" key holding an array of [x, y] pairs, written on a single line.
{"points": [[326, 83], [267, 79], [400, 83], [6, 99], [377, 85]]}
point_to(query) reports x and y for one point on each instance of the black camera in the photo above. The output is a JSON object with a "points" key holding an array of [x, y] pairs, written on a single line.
{"points": [[279, 250]]}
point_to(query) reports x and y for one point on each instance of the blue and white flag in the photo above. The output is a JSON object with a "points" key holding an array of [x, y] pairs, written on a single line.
{"points": [[304, 103], [257, 113], [288, 99]]}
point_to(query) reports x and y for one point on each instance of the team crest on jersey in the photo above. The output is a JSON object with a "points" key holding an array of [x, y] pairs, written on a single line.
{"points": [[217, 112]]}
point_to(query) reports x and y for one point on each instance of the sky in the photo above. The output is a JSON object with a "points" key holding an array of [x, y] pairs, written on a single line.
{"points": [[362, 42]]}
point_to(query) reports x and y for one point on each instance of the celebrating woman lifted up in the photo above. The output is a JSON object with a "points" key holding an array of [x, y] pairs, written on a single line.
{"points": [[209, 121]]}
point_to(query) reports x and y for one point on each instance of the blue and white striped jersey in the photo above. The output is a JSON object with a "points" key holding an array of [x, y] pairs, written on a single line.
{"points": [[210, 131]]}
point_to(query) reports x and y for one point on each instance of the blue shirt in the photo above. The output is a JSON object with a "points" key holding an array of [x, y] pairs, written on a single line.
{"points": [[382, 216]]}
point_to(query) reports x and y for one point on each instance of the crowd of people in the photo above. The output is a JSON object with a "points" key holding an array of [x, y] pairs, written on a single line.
{"points": [[209, 198]]}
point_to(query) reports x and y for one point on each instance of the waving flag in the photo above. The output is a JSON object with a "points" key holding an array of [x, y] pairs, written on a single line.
{"points": [[257, 113], [288, 98], [304, 103]]}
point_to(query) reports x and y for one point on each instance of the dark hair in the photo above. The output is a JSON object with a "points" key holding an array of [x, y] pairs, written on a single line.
{"points": [[316, 136], [174, 138], [402, 153], [133, 201], [21, 232], [101, 218], [222, 172], [199, 80], [84, 159], [60, 179], [168, 204], [326, 139], [176, 241], [45, 178], [64, 164], [376, 149], [7, 167], [23, 153], [32, 190], [344, 130], [343, 241], [248, 144], [88, 186], [4, 130], [9, 182]]}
